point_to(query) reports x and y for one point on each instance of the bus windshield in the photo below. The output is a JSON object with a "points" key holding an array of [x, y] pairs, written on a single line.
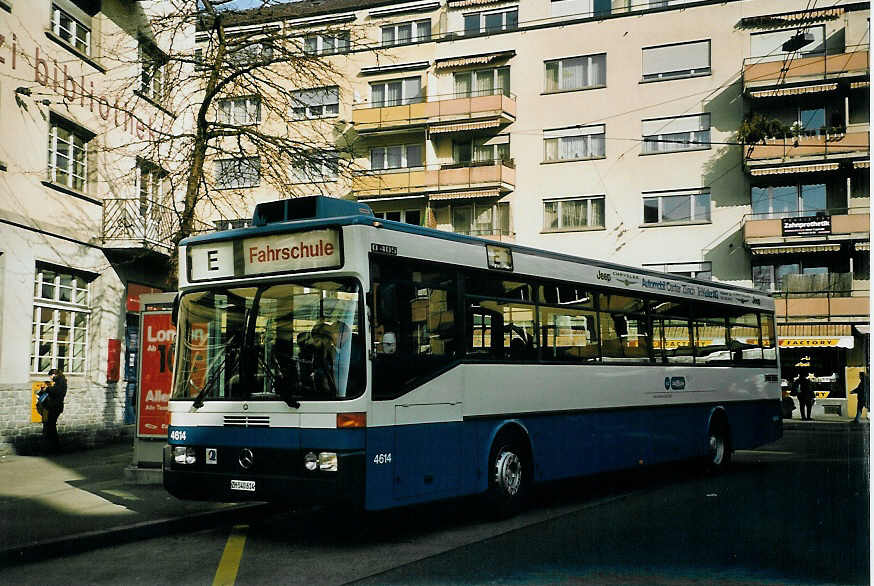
{"points": [[290, 342]]}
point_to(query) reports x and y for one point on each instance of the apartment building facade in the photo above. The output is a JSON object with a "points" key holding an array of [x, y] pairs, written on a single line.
{"points": [[84, 221], [641, 133], [621, 131]]}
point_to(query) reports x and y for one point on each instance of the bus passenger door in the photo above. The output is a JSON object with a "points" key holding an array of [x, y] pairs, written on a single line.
{"points": [[427, 451]]}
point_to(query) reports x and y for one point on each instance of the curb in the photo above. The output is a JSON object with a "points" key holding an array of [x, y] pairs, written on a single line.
{"points": [[91, 540], [825, 425]]}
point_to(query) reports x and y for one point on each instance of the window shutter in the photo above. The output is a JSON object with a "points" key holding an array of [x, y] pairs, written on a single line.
{"points": [[676, 125], [676, 58]]}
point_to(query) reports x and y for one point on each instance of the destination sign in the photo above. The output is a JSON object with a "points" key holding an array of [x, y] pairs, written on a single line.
{"points": [[275, 253]]}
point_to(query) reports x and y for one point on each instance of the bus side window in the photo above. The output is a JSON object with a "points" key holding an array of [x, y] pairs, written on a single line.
{"points": [[625, 333], [672, 342], [745, 338]]}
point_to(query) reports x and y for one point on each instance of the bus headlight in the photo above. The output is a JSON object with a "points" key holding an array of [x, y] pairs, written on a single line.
{"points": [[310, 461], [328, 461], [184, 455]]}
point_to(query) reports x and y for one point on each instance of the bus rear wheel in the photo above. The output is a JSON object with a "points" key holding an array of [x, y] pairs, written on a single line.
{"points": [[718, 448], [509, 477]]}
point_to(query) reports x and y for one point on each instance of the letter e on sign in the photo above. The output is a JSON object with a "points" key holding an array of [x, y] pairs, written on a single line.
{"points": [[212, 260]]}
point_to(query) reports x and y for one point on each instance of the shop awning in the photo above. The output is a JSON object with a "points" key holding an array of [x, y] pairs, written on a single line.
{"points": [[796, 249], [862, 246], [815, 336], [483, 59], [465, 3], [794, 169], [791, 18], [465, 194], [795, 91], [461, 127]]}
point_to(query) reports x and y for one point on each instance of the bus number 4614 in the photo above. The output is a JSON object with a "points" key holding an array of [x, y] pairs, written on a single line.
{"points": [[382, 458]]}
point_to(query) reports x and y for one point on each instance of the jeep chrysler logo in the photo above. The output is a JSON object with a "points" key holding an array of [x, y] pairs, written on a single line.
{"points": [[604, 276]]}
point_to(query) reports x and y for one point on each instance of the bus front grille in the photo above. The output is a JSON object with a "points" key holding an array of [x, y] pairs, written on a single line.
{"points": [[247, 421]]}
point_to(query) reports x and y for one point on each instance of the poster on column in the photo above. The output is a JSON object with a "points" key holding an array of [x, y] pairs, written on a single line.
{"points": [[157, 340]]}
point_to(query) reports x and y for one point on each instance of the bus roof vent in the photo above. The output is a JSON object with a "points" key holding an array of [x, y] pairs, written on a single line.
{"points": [[307, 208]]}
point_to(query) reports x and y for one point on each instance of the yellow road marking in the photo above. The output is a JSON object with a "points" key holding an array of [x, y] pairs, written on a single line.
{"points": [[226, 574]]}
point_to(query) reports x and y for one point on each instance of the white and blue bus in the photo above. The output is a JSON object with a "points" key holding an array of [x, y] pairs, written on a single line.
{"points": [[328, 356]]}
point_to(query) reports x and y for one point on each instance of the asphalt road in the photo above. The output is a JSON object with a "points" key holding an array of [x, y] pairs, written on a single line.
{"points": [[793, 512]]}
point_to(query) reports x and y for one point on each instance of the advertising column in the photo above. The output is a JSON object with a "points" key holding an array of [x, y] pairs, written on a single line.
{"points": [[156, 374]]}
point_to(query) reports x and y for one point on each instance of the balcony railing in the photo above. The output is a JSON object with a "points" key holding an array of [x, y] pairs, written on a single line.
{"points": [[499, 176], [853, 61], [129, 224], [477, 106], [844, 221], [823, 147], [823, 304]]}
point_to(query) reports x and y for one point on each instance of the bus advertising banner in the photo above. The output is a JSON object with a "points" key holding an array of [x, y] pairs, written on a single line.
{"points": [[157, 337]]}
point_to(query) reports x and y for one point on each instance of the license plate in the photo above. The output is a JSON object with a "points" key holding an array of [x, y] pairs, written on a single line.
{"points": [[247, 485]]}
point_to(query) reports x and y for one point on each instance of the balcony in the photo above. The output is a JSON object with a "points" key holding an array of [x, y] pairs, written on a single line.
{"points": [[800, 75], [129, 224], [767, 230], [834, 295], [824, 152], [440, 114], [496, 176]]}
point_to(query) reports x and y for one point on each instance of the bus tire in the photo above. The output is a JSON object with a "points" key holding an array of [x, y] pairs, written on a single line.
{"points": [[718, 456], [509, 475]]}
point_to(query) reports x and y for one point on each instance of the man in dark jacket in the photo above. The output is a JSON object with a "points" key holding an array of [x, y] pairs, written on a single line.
{"points": [[805, 395], [53, 407], [861, 393]]}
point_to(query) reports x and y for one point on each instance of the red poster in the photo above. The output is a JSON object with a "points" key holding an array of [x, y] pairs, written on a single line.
{"points": [[156, 374]]}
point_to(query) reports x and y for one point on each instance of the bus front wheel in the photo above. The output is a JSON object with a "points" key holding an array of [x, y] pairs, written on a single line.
{"points": [[718, 448], [509, 476]]}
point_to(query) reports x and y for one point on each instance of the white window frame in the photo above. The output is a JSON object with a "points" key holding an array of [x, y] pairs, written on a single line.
{"points": [[61, 311], [504, 12], [324, 169], [561, 63], [497, 82], [327, 44], [559, 203], [405, 99], [240, 111], [305, 110], [563, 135], [237, 175], [404, 156], [416, 32], [692, 218], [676, 73], [496, 212], [79, 33], [673, 142], [153, 72], [63, 135]]}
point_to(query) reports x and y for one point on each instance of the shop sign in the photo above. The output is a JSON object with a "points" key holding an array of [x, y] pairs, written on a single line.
{"points": [[156, 374], [837, 342], [807, 226]]}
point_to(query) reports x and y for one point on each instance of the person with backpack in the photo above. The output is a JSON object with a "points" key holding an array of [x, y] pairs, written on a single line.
{"points": [[52, 407]]}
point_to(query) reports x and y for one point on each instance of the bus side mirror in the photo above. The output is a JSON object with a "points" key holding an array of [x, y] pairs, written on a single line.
{"points": [[174, 314]]}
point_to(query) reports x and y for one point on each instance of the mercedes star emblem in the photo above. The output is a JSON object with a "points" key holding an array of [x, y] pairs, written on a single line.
{"points": [[247, 458]]}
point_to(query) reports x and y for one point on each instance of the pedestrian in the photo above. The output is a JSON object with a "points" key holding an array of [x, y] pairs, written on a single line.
{"points": [[863, 396], [52, 409], [805, 395]]}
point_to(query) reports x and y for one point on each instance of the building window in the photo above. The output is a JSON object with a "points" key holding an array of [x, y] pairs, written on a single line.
{"points": [[490, 22], [575, 73], [696, 270], [240, 111], [406, 32], [238, 173], [786, 201], [396, 157], [152, 181], [318, 169], [232, 224], [320, 102], [60, 321], [574, 144], [324, 44], [474, 219], [72, 25], [579, 7], [677, 133], [485, 82], [482, 150], [578, 213], [768, 46], [248, 53], [810, 276], [406, 216], [68, 154], [668, 207], [153, 72], [677, 60], [396, 92]]}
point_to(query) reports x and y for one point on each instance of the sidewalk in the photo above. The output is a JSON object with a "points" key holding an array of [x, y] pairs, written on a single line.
{"points": [[60, 504]]}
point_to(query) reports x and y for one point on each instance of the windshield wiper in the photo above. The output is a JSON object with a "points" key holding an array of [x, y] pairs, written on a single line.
{"points": [[273, 379], [207, 387]]}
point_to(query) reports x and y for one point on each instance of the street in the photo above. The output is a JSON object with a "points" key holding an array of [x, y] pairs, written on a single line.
{"points": [[795, 511]]}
